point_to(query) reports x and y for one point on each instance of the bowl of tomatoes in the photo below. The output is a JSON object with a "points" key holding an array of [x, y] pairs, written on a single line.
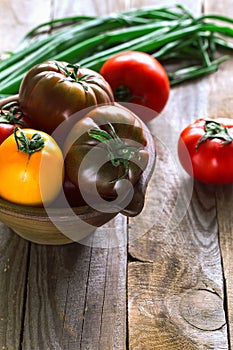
{"points": [[58, 187]]}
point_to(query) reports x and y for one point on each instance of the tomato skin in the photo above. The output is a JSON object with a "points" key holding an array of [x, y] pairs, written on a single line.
{"points": [[73, 197], [11, 117], [34, 179], [48, 97], [98, 170], [144, 77], [5, 131], [211, 162]]}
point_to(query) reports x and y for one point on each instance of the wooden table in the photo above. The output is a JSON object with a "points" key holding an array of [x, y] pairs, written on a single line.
{"points": [[171, 286]]}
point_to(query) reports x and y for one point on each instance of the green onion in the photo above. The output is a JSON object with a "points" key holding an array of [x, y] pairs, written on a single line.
{"points": [[170, 34]]}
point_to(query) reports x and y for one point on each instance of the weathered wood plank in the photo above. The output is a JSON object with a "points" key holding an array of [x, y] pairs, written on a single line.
{"points": [[13, 274], [18, 17], [90, 7], [176, 266], [53, 296], [76, 298], [171, 309], [174, 269], [220, 104], [225, 219]]}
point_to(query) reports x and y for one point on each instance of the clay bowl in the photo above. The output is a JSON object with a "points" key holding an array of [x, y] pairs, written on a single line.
{"points": [[59, 225], [39, 226]]}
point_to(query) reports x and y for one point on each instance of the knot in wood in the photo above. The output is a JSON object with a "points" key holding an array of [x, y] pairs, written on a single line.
{"points": [[203, 309]]}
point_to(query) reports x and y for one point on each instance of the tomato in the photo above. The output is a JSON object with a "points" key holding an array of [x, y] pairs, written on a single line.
{"points": [[205, 150], [51, 91], [31, 168], [10, 117], [107, 145], [69, 196], [138, 78]]}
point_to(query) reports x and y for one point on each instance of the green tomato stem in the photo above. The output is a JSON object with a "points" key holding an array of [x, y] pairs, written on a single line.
{"points": [[214, 130], [72, 74], [10, 113], [122, 93], [26, 145], [118, 152]]}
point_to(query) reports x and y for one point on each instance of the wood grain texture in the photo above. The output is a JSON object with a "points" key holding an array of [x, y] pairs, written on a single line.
{"points": [[220, 104], [178, 271], [76, 298], [13, 274], [17, 18], [225, 219], [92, 7], [173, 307], [176, 261]]}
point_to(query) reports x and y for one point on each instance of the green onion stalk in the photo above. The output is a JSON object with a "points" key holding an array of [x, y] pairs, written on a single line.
{"points": [[193, 45]]}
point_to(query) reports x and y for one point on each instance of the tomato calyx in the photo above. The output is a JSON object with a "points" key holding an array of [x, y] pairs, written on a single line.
{"points": [[119, 153], [214, 130], [10, 113], [26, 145], [123, 94], [72, 74]]}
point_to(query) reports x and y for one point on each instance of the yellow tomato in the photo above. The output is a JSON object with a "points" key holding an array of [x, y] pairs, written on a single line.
{"points": [[31, 168]]}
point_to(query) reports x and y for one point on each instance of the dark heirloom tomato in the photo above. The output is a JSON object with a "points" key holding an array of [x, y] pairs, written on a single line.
{"points": [[205, 150], [107, 145], [10, 117], [72, 195], [51, 91]]}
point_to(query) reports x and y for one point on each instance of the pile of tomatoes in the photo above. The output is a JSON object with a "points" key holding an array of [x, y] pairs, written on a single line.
{"points": [[43, 149], [67, 133]]}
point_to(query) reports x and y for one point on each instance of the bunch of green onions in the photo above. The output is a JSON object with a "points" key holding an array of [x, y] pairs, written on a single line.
{"points": [[172, 35]]}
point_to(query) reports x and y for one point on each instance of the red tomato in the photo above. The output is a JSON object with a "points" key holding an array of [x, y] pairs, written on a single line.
{"points": [[138, 78], [205, 150], [10, 117]]}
